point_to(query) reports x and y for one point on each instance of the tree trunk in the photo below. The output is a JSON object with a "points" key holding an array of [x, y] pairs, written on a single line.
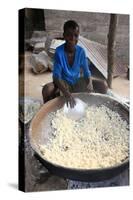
{"points": [[111, 47]]}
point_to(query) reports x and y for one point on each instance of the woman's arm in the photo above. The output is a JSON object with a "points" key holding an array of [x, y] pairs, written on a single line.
{"points": [[86, 71]]}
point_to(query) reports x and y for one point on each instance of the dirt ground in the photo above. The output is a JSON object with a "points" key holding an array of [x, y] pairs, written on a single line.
{"points": [[34, 82]]}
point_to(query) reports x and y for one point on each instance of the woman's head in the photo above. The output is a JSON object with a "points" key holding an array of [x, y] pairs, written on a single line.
{"points": [[71, 33]]}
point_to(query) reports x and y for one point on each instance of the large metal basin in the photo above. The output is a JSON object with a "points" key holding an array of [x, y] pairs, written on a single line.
{"points": [[37, 137]]}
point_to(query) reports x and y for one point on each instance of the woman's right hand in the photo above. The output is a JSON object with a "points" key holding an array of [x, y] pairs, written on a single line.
{"points": [[69, 99], [68, 96]]}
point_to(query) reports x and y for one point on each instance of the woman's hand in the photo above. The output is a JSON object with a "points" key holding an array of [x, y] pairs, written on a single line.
{"points": [[69, 99], [90, 85], [68, 96]]}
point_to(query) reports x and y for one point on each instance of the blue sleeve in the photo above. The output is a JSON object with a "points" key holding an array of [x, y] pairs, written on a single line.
{"points": [[57, 70], [85, 65]]}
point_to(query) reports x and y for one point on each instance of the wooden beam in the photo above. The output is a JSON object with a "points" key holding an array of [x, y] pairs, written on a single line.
{"points": [[111, 47]]}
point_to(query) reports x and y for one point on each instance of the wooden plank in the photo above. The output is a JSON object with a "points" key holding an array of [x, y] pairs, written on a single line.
{"points": [[97, 53]]}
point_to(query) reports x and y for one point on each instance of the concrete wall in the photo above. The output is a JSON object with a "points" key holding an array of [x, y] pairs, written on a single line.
{"points": [[93, 26]]}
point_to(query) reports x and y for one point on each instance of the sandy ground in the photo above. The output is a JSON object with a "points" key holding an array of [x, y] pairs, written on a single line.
{"points": [[34, 82], [121, 85]]}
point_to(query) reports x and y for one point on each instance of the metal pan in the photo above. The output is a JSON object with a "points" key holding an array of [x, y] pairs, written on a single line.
{"points": [[37, 137]]}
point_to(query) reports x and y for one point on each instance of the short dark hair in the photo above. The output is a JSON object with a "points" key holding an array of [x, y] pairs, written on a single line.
{"points": [[70, 24]]}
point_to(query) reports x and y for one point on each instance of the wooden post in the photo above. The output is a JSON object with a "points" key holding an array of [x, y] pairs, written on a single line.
{"points": [[111, 47]]}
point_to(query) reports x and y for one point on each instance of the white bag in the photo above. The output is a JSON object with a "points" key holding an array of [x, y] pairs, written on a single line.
{"points": [[40, 62], [77, 112]]}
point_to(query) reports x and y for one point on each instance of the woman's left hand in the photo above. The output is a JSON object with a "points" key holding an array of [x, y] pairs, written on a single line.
{"points": [[90, 86]]}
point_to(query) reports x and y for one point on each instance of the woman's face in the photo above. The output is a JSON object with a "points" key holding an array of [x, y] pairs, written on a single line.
{"points": [[71, 37]]}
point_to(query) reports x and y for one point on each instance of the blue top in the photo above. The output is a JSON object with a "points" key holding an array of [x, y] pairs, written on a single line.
{"points": [[62, 69]]}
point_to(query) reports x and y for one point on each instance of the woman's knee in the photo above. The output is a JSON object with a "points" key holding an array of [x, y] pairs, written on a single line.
{"points": [[100, 86], [47, 91], [47, 88]]}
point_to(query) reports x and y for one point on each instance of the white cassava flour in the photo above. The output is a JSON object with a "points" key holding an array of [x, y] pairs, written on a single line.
{"points": [[99, 139]]}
